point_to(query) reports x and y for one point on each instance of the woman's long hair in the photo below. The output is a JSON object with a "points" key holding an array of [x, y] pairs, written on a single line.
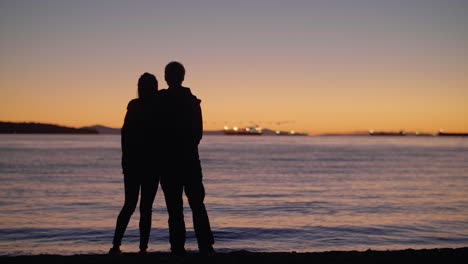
{"points": [[147, 85]]}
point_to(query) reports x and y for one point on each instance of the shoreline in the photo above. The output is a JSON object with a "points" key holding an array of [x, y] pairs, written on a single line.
{"points": [[434, 255]]}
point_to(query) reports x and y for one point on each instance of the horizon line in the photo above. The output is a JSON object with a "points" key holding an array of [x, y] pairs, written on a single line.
{"points": [[354, 132]]}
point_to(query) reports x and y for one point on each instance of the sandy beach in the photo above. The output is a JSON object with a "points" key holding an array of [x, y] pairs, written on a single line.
{"points": [[437, 255]]}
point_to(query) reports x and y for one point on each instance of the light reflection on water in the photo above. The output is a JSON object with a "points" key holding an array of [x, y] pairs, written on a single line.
{"points": [[61, 194]]}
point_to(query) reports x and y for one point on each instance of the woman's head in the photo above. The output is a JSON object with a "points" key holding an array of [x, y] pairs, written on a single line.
{"points": [[147, 85]]}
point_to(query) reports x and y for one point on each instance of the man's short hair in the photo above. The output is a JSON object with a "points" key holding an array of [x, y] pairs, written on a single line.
{"points": [[174, 72]]}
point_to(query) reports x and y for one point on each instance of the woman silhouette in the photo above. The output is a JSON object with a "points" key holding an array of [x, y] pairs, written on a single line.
{"points": [[138, 136]]}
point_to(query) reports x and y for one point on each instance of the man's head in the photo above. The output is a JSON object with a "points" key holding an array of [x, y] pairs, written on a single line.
{"points": [[174, 73], [147, 85]]}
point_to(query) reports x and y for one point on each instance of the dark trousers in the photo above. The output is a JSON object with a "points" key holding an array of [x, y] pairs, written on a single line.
{"points": [[133, 184], [173, 186]]}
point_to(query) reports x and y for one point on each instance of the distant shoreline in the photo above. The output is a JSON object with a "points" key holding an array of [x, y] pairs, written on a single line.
{"points": [[211, 133], [43, 128], [436, 255], [39, 128]]}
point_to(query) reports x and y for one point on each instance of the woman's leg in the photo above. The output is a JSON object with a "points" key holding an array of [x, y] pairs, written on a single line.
{"points": [[132, 189], [149, 187]]}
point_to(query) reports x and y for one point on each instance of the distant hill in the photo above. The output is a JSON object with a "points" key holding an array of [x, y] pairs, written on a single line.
{"points": [[40, 128], [103, 129]]}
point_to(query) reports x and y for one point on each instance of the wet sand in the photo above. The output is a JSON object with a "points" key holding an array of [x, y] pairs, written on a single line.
{"points": [[437, 255]]}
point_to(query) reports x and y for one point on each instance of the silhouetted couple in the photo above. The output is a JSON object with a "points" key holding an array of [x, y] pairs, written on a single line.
{"points": [[159, 139]]}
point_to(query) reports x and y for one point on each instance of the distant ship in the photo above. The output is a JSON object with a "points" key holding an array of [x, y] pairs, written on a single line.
{"points": [[441, 133], [248, 131], [386, 133]]}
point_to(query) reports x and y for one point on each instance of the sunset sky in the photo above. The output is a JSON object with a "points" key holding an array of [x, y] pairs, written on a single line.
{"points": [[327, 66]]}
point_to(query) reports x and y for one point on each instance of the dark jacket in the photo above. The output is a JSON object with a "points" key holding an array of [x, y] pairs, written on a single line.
{"points": [[183, 124], [139, 137]]}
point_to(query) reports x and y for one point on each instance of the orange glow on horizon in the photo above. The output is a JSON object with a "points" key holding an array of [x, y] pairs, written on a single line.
{"points": [[339, 106], [323, 69]]}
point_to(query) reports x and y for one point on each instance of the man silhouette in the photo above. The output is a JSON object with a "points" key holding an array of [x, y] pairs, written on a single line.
{"points": [[182, 172]]}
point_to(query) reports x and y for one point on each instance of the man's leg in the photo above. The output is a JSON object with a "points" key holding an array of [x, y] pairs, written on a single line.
{"points": [[173, 191], [195, 192]]}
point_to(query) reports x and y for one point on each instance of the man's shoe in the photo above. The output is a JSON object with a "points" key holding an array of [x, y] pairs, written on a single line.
{"points": [[179, 252], [207, 251], [142, 252], [115, 251]]}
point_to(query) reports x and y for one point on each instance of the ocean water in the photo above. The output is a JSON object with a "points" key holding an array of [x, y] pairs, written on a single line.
{"points": [[60, 194]]}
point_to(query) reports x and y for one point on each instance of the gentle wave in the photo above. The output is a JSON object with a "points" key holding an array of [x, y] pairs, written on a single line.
{"points": [[61, 194], [278, 239]]}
